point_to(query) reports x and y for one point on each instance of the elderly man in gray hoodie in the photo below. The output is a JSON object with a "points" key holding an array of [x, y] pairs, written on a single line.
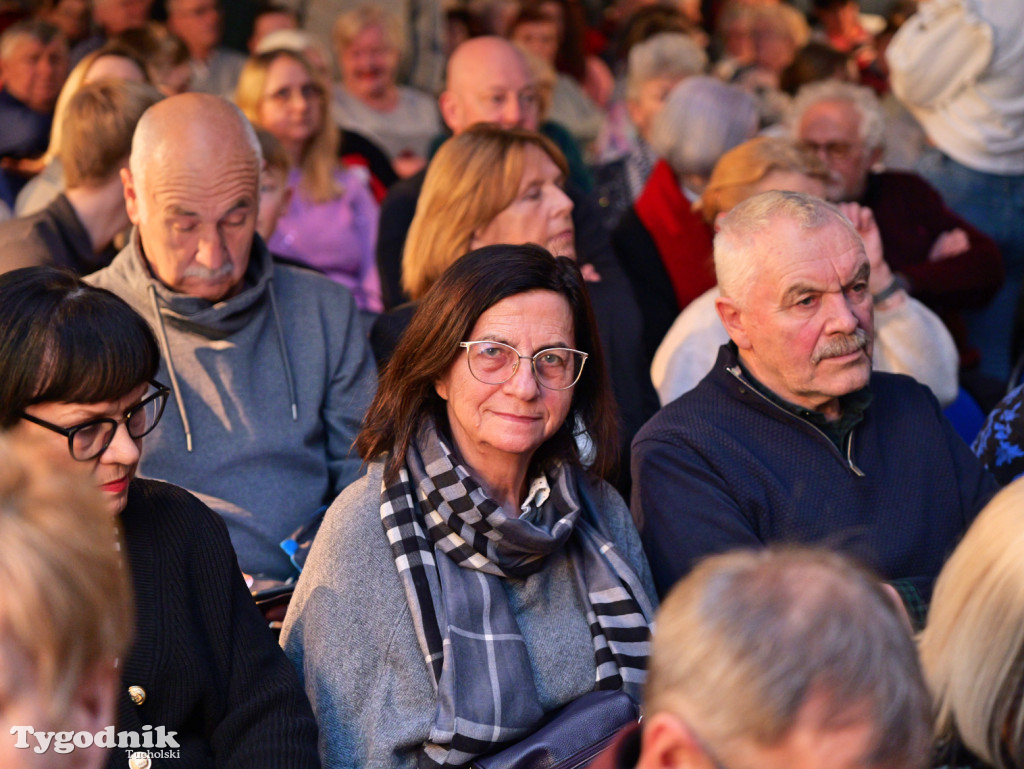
{"points": [[269, 367]]}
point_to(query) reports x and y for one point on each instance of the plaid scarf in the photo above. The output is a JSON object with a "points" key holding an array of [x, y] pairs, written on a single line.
{"points": [[451, 545]]}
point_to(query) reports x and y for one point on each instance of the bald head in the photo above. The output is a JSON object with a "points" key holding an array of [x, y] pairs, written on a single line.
{"points": [[192, 190], [489, 81]]}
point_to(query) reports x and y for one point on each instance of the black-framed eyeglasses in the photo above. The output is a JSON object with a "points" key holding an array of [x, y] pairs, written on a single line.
{"points": [[90, 439], [494, 363]]}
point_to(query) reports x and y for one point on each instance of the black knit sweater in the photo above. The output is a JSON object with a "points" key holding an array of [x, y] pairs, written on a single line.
{"points": [[722, 468], [209, 666]]}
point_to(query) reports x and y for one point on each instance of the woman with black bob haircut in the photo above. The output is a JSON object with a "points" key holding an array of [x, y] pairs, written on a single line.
{"points": [[77, 366], [481, 574]]}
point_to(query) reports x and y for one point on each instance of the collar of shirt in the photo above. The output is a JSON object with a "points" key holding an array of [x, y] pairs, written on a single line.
{"points": [[852, 407]]}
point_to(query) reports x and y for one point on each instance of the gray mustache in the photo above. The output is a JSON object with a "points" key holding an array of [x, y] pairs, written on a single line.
{"points": [[205, 273], [843, 345]]}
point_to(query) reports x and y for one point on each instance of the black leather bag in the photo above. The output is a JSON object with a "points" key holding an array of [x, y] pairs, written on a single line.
{"points": [[572, 737]]}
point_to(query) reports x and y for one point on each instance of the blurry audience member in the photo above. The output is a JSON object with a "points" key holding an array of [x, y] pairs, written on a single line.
{"points": [[791, 438], [270, 19], [909, 338], [959, 69], [77, 369], [778, 32], [268, 364], [971, 647], [199, 25], [70, 16], [817, 61], [489, 185], [113, 61], [110, 18], [838, 687], [65, 610], [76, 230], [275, 194], [934, 254], [537, 32], [502, 574], [165, 56], [656, 66], [331, 221], [734, 35], [369, 43], [33, 65], [841, 25], [664, 247]]}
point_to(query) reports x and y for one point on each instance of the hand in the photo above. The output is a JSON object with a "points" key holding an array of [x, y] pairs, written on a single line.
{"points": [[590, 273], [864, 222], [952, 243]]}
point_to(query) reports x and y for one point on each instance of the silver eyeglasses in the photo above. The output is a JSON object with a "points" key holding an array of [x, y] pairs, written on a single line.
{"points": [[494, 363]]}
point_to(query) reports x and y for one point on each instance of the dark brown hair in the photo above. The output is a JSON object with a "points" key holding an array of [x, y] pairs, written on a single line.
{"points": [[446, 315]]}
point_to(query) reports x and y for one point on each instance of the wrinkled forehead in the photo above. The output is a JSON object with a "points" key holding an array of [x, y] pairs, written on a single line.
{"points": [[202, 182], [831, 255]]}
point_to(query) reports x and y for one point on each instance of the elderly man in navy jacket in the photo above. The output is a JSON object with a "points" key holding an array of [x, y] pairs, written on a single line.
{"points": [[791, 437]]}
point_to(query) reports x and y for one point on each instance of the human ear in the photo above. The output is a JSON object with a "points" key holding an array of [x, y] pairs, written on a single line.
{"points": [[732, 318], [667, 743], [131, 196]]}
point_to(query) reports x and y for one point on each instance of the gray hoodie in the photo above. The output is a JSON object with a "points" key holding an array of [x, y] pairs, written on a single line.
{"points": [[270, 388]]}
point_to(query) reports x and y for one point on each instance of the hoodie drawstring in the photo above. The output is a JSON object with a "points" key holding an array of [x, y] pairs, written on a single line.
{"points": [[284, 351], [170, 368]]}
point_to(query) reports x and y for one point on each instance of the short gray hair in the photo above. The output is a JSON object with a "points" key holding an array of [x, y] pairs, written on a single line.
{"points": [[702, 119], [668, 54], [36, 29], [749, 638], [736, 243], [861, 98]]}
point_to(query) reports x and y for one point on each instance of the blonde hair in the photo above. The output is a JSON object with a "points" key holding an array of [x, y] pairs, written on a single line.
{"points": [[350, 24], [749, 638], [473, 177], [65, 607], [320, 155], [742, 167], [972, 647]]}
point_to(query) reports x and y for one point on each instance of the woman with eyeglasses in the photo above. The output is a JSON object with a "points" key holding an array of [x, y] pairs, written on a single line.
{"points": [[330, 224], [481, 574], [76, 369]]}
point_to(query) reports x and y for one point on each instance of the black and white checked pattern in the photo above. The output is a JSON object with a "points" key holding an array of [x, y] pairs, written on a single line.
{"points": [[451, 545]]}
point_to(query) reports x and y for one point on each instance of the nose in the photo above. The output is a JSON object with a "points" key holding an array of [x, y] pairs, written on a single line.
{"points": [[841, 317], [523, 384], [511, 113], [562, 203], [123, 450], [211, 252]]}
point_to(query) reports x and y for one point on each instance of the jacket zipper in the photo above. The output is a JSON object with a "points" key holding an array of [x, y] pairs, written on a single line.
{"points": [[848, 460]]}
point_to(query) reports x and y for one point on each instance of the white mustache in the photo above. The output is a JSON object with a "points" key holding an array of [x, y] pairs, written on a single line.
{"points": [[842, 345], [205, 273]]}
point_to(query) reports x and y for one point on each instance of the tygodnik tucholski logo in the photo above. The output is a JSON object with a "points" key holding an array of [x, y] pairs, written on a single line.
{"points": [[149, 743]]}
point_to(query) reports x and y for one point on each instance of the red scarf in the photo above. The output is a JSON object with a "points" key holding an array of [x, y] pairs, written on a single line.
{"points": [[683, 240]]}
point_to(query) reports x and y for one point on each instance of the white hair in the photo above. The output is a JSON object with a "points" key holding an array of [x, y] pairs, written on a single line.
{"points": [[861, 98], [737, 256], [702, 119], [668, 54]]}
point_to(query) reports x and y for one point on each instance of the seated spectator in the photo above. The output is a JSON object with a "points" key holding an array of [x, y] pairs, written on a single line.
{"points": [[959, 68], [837, 687], [166, 58], [939, 257], [111, 62], [64, 608], [111, 18], [331, 222], [791, 437], [778, 32], [664, 247], [268, 364], [77, 365], [535, 590], [270, 19], [77, 229], [488, 186], [33, 65], [970, 648], [815, 62], [369, 43], [909, 338], [537, 32], [656, 66], [71, 17], [275, 194], [199, 25]]}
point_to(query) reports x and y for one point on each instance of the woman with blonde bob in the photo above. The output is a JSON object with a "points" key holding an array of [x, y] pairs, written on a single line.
{"points": [[331, 222], [483, 184], [972, 647]]}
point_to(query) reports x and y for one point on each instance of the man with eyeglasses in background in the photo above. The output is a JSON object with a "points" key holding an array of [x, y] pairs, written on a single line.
{"points": [[268, 364], [935, 255], [780, 659]]}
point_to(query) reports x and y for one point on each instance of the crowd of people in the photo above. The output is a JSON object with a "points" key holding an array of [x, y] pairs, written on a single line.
{"points": [[507, 369]]}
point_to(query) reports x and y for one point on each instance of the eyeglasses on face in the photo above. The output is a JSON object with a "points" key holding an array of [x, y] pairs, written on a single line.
{"points": [[832, 150], [90, 439], [494, 363]]}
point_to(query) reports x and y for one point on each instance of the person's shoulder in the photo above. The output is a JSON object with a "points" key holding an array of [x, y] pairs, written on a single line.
{"points": [[25, 241], [405, 190], [892, 183], [896, 392], [170, 510], [307, 290]]}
